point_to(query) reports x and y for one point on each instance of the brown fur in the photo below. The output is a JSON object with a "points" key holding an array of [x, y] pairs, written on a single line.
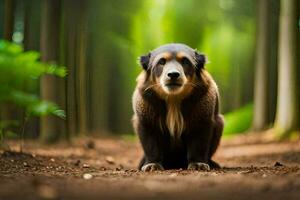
{"points": [[183, 116]]}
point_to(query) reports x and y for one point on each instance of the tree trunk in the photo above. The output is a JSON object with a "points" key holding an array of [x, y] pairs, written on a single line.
{"points": [[288, 106], [32, 10], [2, 19], [70, 49], [273, 66], [52, 128], [81, 70], [9, 10], [261, 82], [266, 65], [8, 110], [32, 22], [74, 44]]}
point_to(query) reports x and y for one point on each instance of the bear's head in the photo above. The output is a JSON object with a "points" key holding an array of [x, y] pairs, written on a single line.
{"points": [[173, 70]]}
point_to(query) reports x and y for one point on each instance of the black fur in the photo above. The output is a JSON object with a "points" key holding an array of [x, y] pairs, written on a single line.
{"points": [[144, 61], [197, 144], [201, 60]]}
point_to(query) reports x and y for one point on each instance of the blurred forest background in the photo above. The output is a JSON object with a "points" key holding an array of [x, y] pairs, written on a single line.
{"points": [[82, 79]]}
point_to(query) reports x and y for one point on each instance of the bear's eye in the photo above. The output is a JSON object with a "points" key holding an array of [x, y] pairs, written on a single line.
{"points": [[162, 61], [185, 61]]}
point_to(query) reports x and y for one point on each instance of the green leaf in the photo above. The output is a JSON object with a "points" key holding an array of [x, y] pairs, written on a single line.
{"points": [[8, 123], [59, 113], [42, 108], [10, 134], [56, 70], [19, 79]]}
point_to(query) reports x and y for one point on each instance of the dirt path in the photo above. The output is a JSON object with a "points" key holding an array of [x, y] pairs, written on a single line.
{"points": [[105, 169]]}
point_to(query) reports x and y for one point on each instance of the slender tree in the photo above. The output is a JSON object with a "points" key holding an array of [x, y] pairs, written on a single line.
{"points": [[68, 58], [8, 111], [98, 67], [32, 22], [9, 9], [74, 57], [288, 106], [265, 67], [52, 128], [82, 70], [1, 18], [32, 16]]}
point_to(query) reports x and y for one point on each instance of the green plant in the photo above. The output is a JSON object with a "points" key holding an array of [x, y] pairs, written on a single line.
{"points": [[19, 76], [238, 121]]}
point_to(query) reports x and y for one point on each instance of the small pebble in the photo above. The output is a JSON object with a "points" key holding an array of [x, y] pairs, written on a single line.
{"points": [[102, 168], [85, 165], [110, 160], [213, 174], [87, 176], [264, 175]]}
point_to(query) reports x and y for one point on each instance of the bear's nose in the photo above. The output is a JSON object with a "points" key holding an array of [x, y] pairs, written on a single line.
{"points": [[173, 75]]}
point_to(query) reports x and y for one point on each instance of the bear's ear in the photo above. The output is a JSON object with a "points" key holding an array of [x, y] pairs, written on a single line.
{"points": [[200, 60], [144, 61]]}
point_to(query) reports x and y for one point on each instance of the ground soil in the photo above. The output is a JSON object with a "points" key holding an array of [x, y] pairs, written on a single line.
{"points": [[105, 168]]}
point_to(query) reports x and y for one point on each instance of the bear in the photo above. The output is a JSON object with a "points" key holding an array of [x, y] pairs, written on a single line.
{"points": [[176, 110]]}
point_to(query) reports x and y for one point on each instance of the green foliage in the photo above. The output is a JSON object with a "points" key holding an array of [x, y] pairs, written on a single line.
{"points": [[18, 67], [224, 30], [19, 76], [34, 106], [5, 131], [238, 121], [4, 128]]}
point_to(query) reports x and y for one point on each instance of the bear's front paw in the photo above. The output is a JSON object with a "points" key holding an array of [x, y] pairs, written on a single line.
{"points": [[198, 166], [150, 167]]}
